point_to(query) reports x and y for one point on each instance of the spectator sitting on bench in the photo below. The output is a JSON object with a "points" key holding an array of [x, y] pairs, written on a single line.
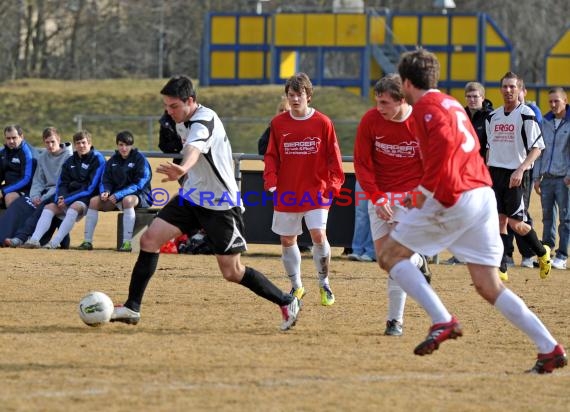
{"points": [[20, 219], [78, 182], [125, 185]]}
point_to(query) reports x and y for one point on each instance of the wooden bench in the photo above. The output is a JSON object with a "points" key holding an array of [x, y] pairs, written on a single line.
{"points": [[143, 218]]}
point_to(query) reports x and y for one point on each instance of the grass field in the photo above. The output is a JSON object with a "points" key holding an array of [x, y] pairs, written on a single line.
{"points": [[206, 345]]}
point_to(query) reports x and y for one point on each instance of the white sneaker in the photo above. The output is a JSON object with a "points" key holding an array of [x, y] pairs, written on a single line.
{"points": [[365, 258], [50, 245], [290, 314], [125, 315], [527, 262], [32, 244], [558, 263]]}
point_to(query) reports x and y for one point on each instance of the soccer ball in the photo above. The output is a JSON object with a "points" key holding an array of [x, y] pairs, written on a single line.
{"points": [[95, 308]]}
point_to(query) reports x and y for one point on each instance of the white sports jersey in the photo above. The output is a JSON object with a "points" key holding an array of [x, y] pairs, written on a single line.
{"points": [[210, 183], [506, 134]]}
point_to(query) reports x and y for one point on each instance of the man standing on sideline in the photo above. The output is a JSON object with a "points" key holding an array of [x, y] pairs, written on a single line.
{"points": [[515, 142], [552, 175], [455, 210], [388, 162], [208, 168], [303, 159]]}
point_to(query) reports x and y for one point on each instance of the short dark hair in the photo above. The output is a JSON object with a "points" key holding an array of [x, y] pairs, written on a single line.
{"points": [[179, 86], [420, 67], [125, 137], [511, 75], [300, 83], [83, 134], [391, 84], [15, 127], [48, 132]]}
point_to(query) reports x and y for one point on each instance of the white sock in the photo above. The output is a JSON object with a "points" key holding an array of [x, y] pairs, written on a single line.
{"points": [[396, 301], [90, 223], [65, 227], [44, 222], [292, 262], [417, 260], [515, 310], [128, 223], [414, 284], [322, 260]]}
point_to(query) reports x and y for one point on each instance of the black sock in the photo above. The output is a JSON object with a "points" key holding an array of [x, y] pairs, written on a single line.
{"points": [[532, 241], [503, 266], [261, 286], [142, 272]]}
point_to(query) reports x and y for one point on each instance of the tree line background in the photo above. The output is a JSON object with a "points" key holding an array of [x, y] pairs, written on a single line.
{"points": [[98, 39]]}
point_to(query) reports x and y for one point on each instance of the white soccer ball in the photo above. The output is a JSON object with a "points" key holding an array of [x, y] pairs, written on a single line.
{"points": [[95, 308]]}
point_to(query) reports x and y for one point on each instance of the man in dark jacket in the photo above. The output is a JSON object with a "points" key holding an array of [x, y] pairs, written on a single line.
{"points": [[125, 185], [478, 108], [17, 166]]}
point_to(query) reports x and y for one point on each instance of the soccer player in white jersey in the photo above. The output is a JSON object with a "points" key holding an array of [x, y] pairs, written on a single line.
{"points": [[455, 210], [388, 165], [514, 142], [210, 201]]}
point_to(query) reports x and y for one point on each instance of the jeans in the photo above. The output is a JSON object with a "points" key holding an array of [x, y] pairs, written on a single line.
{"points": [[362, 243], [555, 195]]}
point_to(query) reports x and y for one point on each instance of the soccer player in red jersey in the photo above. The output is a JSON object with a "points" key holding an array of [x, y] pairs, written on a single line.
{"points": [[388, 165], [303, 167], [455, 210]]}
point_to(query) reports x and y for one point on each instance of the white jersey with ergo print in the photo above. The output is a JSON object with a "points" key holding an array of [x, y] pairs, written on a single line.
{"points": [[511, 135]]}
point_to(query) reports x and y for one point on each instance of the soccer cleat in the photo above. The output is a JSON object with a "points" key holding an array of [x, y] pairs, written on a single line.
{"points": [[290, 313], [504, 276], [545, 263], [393, 328], [298, 293], [557, 263], [126, 246], [85, 246], [547, 362], [125, 315], [32, 244], [13, 242], [425, 269], [327, 297], [439, 333]]}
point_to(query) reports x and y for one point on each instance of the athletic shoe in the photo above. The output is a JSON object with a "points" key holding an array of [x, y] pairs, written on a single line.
{"points": [[32, 244], [290, 313], [298, 293], [425, 269], [13, 242], [126, 247], [50, 245], [393, 328], [437, 334], [510, 262], [504, 276], [453, 261], [527, 262], [354, 257], [545, 263], [557, 263], [125, 315], [327, 297], [85, 246], [547, 362], [365, 258]]}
